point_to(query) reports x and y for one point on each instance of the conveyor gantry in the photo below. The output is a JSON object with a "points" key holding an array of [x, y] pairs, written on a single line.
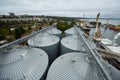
{"points": [[95, 57]]}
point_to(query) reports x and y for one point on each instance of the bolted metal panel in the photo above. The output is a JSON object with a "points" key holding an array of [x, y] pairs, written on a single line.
{"points": [[73, 66], [49, 43], [71, 44], [30, 64]]}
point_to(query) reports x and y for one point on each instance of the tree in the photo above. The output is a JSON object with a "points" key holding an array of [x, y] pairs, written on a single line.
{"points": [[44, 21], [72, 23], [2, 37], [62, 25], [51, 23], [17, 34], [21, 30]]}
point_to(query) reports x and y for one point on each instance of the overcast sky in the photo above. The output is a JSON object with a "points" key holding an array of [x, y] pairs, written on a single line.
{"points": [[73, 8]]}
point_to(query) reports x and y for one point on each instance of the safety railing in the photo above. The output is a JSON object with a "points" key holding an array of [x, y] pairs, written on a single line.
{"points": [[96, 58]]}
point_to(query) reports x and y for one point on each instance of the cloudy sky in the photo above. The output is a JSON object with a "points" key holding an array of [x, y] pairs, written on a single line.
{"points": [[73, 8]]}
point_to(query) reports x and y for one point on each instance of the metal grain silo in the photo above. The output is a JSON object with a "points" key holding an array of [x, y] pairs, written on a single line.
{"points": [[47, 42], [71, 44], [23, 64], [55, 31], [73, 66], [70, 31]]}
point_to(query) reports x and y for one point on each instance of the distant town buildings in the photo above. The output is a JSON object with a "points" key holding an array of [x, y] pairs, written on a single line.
{"points": [[12, 17], [25, 17]]}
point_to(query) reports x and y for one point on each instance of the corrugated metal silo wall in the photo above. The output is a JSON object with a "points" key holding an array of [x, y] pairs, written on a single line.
{"points": [[52, 51], [45, 74], [67, 34], [65, 50], [59, 35]]}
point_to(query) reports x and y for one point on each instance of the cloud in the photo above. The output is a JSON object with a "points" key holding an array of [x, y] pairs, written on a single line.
{"points": [[62, 7]]}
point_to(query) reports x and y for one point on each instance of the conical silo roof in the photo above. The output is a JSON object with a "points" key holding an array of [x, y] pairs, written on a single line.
{"points": [[73, 66], [23, 64], [55, 31], [43, 39], [71, 43], [70, 31]]}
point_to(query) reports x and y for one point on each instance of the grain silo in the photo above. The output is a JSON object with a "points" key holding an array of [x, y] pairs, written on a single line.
{"points": [[71, 44], [70, 31], [23, 63], [47, 42], [73, 66], [55, 31]]}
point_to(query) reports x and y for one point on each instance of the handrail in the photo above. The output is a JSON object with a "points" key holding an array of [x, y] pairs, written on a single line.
{"points": [[95, 55]]}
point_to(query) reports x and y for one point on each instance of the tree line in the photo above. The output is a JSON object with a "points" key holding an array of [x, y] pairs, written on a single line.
{"points": [[64, 25]]}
